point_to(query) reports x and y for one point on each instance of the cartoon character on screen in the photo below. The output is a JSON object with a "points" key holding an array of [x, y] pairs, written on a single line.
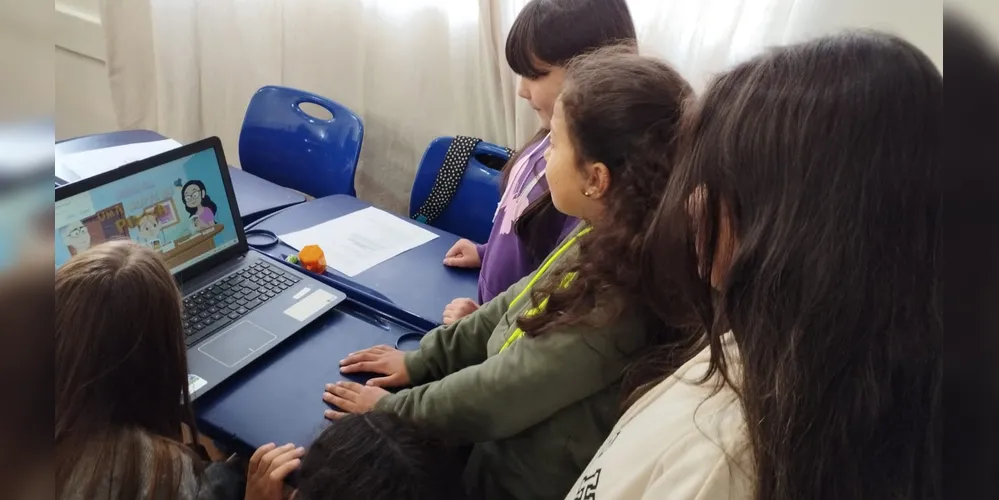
{"points": [[75, 236], [148, 226], [199, 206]]}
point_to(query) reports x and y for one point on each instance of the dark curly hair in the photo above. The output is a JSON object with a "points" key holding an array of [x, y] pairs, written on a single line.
{"points": [[622, 110], [380, 456]]}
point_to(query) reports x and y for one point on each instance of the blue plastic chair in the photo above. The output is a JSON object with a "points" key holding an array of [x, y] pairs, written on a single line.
{"points": [[470, 213], [287, 146]]}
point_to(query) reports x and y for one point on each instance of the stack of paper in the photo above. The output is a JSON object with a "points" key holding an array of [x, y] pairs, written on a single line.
{"points": [[76, 166], [361, 240]]}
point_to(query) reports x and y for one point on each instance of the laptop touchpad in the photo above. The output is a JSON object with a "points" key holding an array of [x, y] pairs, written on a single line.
{"points": [[238, 343]]}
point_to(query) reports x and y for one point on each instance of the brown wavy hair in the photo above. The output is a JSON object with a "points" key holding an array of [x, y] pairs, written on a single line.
{"points": [[120, 369], [823, 160], [622, 110], [554, 32]]}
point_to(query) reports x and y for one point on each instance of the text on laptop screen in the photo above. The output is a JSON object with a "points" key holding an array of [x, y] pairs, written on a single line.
{"points": [[179, 209]]}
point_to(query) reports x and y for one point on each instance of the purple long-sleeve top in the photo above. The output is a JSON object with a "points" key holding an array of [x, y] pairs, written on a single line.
{"points": [[506, 258]]}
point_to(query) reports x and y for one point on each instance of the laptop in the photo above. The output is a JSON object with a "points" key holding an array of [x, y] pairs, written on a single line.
{"points": [[238, 303]]}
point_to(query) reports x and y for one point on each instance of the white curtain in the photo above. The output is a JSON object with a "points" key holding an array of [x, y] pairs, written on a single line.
{"points": [[416, 69], [412, 70], [705, 37]]}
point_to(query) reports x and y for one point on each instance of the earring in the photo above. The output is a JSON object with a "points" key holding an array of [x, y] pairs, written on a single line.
{"points": [[587, 193]]}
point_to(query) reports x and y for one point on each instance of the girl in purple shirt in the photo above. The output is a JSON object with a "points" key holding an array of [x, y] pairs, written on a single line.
{"points": [[526, 227]]}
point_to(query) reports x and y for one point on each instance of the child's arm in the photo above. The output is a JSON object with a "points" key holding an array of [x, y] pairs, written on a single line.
{"points": [[523, 385], [448, 349]]}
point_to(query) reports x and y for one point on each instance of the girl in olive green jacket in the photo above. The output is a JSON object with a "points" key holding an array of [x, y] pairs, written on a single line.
{"points": [[533, 378]]}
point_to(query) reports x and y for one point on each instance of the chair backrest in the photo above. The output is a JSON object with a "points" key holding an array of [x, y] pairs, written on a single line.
{"points": [[470, 213], [284, 144]]}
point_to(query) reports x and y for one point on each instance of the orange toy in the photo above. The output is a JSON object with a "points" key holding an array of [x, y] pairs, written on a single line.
{"points": [[312, 259]]}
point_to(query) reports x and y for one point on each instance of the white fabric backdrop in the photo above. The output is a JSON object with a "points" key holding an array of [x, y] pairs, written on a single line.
{"points": [[416, 69]]}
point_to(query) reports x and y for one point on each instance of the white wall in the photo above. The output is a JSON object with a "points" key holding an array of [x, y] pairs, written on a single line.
{"points": [[82, 96], [918, 21], [26, 57]]}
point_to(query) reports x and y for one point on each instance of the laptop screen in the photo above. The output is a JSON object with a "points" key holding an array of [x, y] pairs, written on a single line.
{"points": [[179, 208]]}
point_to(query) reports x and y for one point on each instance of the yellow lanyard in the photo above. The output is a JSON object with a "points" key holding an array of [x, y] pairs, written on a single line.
{"points": [[518, 333]]}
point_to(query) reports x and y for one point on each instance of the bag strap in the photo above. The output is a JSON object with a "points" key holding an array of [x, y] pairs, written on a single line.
{"points": [[448, 178]]}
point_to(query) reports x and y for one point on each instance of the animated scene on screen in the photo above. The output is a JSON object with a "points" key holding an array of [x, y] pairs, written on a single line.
{"points": [[179, 209]]}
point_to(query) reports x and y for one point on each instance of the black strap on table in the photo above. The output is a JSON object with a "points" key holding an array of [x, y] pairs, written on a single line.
{"points": [[448, 178]]}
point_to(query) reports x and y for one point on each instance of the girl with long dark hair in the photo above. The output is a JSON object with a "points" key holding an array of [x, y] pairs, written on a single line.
{"points": [[796, 259], [121, 388]]}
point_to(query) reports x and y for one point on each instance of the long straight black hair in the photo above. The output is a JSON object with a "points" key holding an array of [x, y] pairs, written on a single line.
{"points": [[822, 161], [553, 32], [972, 383]]}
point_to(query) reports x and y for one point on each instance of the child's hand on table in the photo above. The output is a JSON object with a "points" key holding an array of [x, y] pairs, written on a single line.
{"points": [[268, 468], [352, 398], [459, 308], [380, 359], [463, 254]]}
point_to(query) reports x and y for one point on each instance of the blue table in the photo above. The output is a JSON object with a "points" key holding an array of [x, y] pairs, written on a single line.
{"points": [[413, 286], [255, 197], [279, 397]]}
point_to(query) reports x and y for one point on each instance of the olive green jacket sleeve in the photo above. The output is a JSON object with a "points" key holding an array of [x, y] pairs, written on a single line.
{"points": [[521, 386], [447, 349]]}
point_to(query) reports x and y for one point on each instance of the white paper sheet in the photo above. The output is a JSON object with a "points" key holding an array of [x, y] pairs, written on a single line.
{"points": [[75, 166], [361, 240]]}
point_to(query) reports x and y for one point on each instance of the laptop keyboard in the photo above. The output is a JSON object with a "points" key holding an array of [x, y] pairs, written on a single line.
{"points": [[231, 298]]}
